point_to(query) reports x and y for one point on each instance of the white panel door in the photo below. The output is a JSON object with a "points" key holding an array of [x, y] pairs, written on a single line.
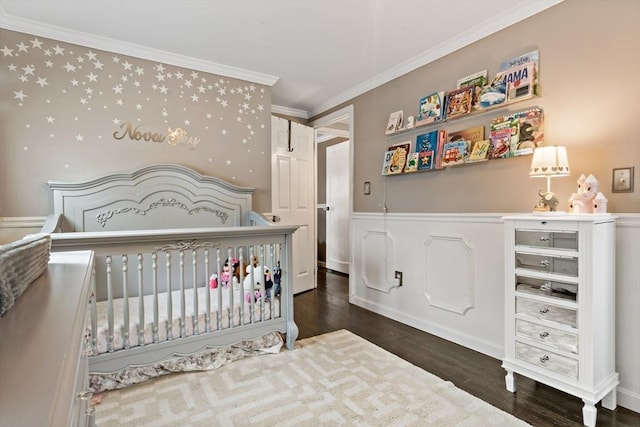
{"points": [[337, 176], [292, 194]]}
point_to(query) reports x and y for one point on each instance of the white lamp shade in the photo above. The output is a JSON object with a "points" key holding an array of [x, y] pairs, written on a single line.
{"points": [[549, 162]]}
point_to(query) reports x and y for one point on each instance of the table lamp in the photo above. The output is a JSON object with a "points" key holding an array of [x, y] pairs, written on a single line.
{"points": [[549, 162]]}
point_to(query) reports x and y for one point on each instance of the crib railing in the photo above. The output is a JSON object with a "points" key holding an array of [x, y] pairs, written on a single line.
{"points": [[154, 264]]}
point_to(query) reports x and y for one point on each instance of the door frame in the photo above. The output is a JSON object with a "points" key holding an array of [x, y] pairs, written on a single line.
{"points": [[323, 122]]}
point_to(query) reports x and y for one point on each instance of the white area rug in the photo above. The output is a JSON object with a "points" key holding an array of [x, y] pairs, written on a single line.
{"points": [[332, 379]]}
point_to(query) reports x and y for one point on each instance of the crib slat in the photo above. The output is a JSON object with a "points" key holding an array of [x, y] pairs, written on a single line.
{"points": [[109, 305], [169, 299], [141, 324], [194, 271], [207, 274], [125, 300], [182, 296], [94, 314], [154, 278]]}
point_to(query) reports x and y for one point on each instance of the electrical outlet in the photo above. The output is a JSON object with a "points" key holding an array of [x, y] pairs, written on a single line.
{"points": [[399, 277]]}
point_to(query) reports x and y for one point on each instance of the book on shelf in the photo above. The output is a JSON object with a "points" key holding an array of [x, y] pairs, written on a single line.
{"points": [[519, 82], [442, 138], [527, 128], [454, 152], [458, 102], [427, 148], [395, 158], [395, 122], [430, 109], [412, 162], [477, 80], [500, 143], [479, 151], [529, 58], [472, 134]]}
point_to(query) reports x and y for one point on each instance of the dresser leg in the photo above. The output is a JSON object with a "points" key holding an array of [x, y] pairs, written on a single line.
{"points": [[589, 413], [609, 401], [510, 379]]}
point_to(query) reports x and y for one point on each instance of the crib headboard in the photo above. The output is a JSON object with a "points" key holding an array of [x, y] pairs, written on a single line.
{"points": [[159, 196]]}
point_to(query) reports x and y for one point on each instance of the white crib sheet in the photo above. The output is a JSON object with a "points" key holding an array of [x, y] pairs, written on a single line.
{"points": [[215, 323]]}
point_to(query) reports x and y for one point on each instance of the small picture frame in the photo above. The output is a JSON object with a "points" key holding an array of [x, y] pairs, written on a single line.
{"points": [[622, 180]]}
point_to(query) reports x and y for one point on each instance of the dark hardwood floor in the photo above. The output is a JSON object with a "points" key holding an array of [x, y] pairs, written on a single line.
{"points": [[327, 309]]}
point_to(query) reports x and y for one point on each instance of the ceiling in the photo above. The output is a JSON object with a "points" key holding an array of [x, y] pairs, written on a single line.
{"points": [[315, 53]]}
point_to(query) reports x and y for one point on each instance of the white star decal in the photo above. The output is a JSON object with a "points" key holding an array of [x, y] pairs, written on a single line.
{"points": [[126, 65], [228, 162], [179, 75], [138, 106], [29, 69], [195, 98], [201, 89], [139, 71], [69, 67], [115, 59], [163, 89], [24, 78], [49, 64], [74, 82], [58, 50], [116, 121], [12, 67], [35, 43], [187, 122], [6, 51], [80, 59], [22, 47], [91, 56], [117, 89], [188, 83], [260, 107], [159, 68], [194, 75], [98, 65], [160, 77], [50, 119], [92, 77], [47, 52], [120, 102], [83, 101], [79, 138], [42, 82], [19, 95]]}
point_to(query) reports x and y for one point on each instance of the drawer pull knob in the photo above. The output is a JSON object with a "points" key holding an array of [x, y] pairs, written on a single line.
{"points": [[545, 263], [544, 238], [85, 395], [543, 222], [544, 359], [543, 335], [544, 310]]}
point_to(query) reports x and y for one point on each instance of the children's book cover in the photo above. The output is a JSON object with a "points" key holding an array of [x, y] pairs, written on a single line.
{"points": [[426, 146], [500, 143], [529, 58], [395, 160], [395, 122], [430, 109], [459, 102], [412, 162], [442, 138], [473, 134], [478, 81], [479, 151], [454, 152]]}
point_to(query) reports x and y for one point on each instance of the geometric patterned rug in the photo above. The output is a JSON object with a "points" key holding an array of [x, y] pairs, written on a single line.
{"points": [[332, 379]]}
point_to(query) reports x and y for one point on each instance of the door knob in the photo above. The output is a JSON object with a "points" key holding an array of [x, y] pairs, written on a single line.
{"points": [[327, 208]]}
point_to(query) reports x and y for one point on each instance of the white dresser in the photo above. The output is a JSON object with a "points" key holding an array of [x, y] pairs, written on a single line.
{"points": [[43, 361], [560, 305]]}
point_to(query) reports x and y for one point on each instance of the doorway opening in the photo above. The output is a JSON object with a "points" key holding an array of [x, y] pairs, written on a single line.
{"points": [[334, 189]]}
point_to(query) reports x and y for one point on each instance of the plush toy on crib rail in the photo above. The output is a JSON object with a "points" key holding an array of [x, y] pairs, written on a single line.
{"points": [[261, 275], [228, 275]]}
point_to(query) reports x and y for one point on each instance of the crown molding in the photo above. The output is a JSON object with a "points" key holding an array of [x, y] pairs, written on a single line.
{"points": [[14, 23], [484, 29], [286, 111]]}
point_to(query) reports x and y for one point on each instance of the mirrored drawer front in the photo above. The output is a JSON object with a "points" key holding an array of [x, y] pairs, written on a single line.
{"points": [[540, 310], [547, 239], [547, 359], [557, 338], [554, 289], [548, 264]]}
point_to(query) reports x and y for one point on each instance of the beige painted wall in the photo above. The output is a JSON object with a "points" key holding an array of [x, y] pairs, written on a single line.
{"points": [[589, 71], [64, 111]]}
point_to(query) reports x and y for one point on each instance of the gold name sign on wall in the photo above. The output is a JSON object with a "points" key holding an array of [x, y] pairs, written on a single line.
{"points": [[175, 136]]}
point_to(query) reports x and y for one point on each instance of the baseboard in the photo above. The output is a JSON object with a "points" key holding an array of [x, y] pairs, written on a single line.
{"points": [[628, 399], [448, 334]]}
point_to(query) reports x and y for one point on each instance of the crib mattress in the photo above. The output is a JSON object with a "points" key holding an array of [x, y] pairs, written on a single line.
{"points": [[234, 311]]}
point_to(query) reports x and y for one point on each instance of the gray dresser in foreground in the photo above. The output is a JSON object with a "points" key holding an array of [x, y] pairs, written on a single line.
{"points": [[43, 361]]}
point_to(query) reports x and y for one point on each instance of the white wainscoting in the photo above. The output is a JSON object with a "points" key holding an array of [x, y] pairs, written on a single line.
{"points": [[453, 276], [15, 228]]}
